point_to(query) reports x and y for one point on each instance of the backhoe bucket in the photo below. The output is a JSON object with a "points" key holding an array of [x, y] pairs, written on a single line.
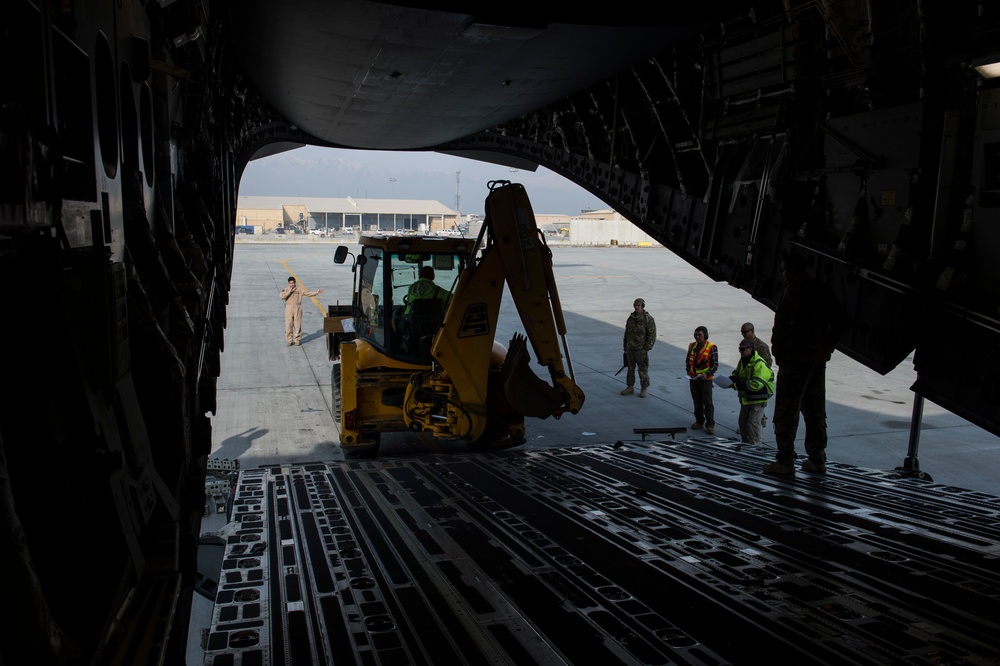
{"points": [[526, 393]]}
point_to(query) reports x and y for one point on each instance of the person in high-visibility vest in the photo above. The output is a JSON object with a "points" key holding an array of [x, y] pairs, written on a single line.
{"points": [[702, 364], [753, 379], [425, 288], [748, 333], [425, 306]]}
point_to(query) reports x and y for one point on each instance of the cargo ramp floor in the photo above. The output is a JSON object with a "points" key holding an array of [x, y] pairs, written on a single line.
{"points": [[653, 552]]}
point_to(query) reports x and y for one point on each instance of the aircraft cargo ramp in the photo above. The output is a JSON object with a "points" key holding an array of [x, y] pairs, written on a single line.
{"points": [[653, 552]]}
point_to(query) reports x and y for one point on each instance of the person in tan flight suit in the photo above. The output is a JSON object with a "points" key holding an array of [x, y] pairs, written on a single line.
{"points": [[292, 296]]}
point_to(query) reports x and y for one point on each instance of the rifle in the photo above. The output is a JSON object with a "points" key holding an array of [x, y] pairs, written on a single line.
{"points": [[624, 363]]}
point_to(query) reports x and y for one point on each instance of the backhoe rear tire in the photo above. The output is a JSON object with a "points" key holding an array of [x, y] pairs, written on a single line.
{"points": [[335, 392], [368, 451]]}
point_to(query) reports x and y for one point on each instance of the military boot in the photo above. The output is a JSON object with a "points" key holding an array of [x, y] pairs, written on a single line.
{"points": [[779, 467], [642, 392], [628, 390], [814, 466]]}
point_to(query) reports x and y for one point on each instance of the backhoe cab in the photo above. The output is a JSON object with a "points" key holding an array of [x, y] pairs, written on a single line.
{"points": [[423, 356]]}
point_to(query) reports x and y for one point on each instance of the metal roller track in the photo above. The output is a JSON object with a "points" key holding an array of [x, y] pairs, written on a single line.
{"points": [[637, 553]]}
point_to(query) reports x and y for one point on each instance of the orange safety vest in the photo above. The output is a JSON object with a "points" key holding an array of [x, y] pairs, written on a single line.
{"points": [[700, 360]]}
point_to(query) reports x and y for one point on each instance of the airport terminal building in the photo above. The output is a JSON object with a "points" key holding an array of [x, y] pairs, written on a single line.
{"points": [[302, 215], [267, 214]]}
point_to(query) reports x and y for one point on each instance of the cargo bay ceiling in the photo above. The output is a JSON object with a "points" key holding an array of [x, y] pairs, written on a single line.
{"points": [[849, 131]]}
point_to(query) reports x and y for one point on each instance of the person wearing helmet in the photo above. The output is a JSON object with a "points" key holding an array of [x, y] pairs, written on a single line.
{"points": [[640, 335]]}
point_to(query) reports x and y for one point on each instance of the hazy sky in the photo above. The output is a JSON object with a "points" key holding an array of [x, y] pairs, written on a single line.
{"points": [[365, 174]]}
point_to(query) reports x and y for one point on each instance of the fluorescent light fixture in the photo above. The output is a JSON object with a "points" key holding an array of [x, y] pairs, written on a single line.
{"points": [[988, 67]]}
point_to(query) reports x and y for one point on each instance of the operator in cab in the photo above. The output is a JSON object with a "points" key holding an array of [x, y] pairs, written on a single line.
{"points": [[424, 289], [425, 304]]}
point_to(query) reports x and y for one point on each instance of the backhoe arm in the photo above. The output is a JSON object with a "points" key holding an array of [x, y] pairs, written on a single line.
{"points": [[464, 395], [527, 263]]}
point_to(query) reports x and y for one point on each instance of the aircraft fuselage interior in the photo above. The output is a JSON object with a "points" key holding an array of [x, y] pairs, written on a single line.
{"points": [[863, 135]]}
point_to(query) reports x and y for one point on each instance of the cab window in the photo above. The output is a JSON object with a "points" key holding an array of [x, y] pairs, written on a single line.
{"points": [[370, 318]]}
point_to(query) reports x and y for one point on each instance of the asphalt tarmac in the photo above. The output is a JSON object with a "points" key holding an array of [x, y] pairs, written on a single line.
{"points": [[274, 400]]}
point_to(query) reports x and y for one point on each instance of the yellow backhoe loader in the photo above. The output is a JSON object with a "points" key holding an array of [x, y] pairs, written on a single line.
{"points": [[417, 351]]}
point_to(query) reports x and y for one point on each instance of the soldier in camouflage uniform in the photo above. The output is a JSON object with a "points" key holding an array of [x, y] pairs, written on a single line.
{"points": [[640, 335], [807, 326]]}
